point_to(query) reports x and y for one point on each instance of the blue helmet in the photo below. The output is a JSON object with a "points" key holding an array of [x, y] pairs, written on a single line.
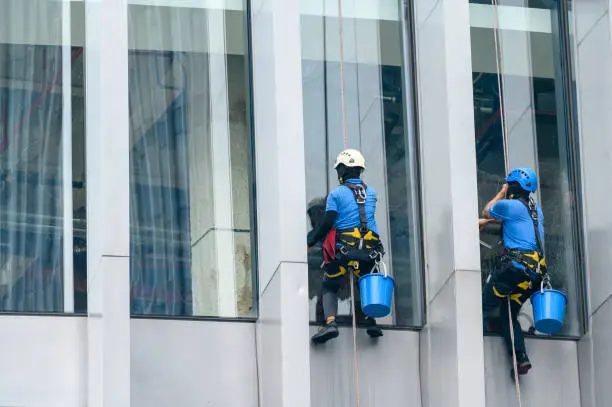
{"points": [[527, 179]]}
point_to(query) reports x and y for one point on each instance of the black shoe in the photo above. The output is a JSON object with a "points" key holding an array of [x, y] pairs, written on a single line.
{"points": [[374, 332], [523, 364], [329, 331]]}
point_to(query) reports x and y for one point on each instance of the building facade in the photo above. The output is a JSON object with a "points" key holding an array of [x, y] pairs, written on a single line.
{"points": [[161, 163]]}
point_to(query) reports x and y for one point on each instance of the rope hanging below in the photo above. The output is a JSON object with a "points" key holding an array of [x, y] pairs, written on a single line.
{"points": [[345, 140], [499, 61]]}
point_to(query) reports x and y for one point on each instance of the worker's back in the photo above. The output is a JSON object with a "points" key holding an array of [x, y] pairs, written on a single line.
{"points": [[517, 224], [342, 201]]}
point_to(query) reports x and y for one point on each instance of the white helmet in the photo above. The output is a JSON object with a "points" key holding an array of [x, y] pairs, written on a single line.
{"points": [[350, 158]]}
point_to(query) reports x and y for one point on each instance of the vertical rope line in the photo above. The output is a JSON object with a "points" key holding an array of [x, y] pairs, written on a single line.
{"points": [[516, 377], [345, 140], [499, 61], [500, 87], [342, 81], [355, 361]]}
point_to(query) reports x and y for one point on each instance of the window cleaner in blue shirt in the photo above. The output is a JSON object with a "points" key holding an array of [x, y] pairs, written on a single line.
{"points": [[351, 240], [522, 264]]}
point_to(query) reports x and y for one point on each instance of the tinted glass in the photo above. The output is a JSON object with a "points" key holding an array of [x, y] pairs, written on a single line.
{"points": [[190, 161], [525, 69], [377, 103], [42, 157]]}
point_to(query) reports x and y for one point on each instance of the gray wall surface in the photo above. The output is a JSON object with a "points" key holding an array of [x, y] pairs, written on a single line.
{"points": [[593, 53], [388, 370], [193, 363], [282, 329], [452, 368], [553, 381], [44, 361]]}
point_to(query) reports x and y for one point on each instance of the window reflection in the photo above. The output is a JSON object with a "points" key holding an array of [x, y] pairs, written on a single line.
{"points": [[189, 162], [42, 157], [526, 62], [376, 109]]}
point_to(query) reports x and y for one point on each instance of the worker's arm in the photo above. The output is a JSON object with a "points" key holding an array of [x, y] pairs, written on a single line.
{"points": [[500, 195], [482, 223], [321, 232]]}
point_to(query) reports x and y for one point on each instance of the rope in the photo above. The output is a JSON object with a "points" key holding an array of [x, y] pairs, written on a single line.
{"points": [[499, 61], [342, 82], [355, 362], [514, 362], [345, 140]]}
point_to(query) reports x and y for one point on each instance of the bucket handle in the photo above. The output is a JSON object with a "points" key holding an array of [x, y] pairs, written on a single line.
{"points": [[382, 264], [545, 281]]}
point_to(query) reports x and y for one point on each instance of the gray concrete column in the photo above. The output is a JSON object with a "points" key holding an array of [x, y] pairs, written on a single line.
{"points": [[593, 52], [452, 369], [282, 331], [108, 216]]}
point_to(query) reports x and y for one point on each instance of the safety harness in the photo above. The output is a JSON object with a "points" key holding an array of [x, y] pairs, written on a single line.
{"points": [[359, 244], [532, 260]]}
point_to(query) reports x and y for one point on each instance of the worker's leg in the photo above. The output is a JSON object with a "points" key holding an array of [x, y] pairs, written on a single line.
{"points": [[370, 323], [332, 280], [519, 339], [319, 314], [522, 360], [498, 286], [522, 282], [330, 298]]}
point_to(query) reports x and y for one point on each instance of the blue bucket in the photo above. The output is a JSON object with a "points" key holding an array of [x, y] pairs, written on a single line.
{"points": [[548, 310], [376, 294]]}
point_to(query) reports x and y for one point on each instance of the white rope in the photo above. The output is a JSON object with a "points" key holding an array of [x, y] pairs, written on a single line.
{"points": [[345, 140], [342, 82], [514, 362], [499, 61], [355, 362]]}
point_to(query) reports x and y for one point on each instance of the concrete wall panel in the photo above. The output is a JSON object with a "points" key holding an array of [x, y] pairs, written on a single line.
{"points": [[193, 363], [388, 370], [44, 361], [593, 52], [553, 381]]}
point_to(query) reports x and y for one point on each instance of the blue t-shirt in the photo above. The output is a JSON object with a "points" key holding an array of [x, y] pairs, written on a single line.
{"points": [[517, 223], [342, 200]]}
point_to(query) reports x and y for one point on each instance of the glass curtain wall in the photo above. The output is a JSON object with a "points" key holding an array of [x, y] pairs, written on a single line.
{"points": [[42, 157], [525, 70], [190, 160], [378, 103]]}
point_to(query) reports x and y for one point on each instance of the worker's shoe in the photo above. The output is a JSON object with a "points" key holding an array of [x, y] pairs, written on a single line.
{"points": [[523, 364], [373, 330], [329, 331]]}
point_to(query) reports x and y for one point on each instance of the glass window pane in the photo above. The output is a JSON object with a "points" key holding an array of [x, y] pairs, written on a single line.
{"points": [[42, 157], [376, 106], [523, 70], [190, 161]]}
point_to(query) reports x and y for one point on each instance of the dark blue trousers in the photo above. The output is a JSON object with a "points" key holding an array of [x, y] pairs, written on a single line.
{"points": [[508, 280]]}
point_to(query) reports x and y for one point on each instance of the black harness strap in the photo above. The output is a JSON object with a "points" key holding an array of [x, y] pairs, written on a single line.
{"points": [[533, 212], [359, 193]]}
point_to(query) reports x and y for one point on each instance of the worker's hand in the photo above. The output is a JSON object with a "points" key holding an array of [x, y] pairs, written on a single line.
{"points": [[309, 249], [503, 191], [482, 223]]}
